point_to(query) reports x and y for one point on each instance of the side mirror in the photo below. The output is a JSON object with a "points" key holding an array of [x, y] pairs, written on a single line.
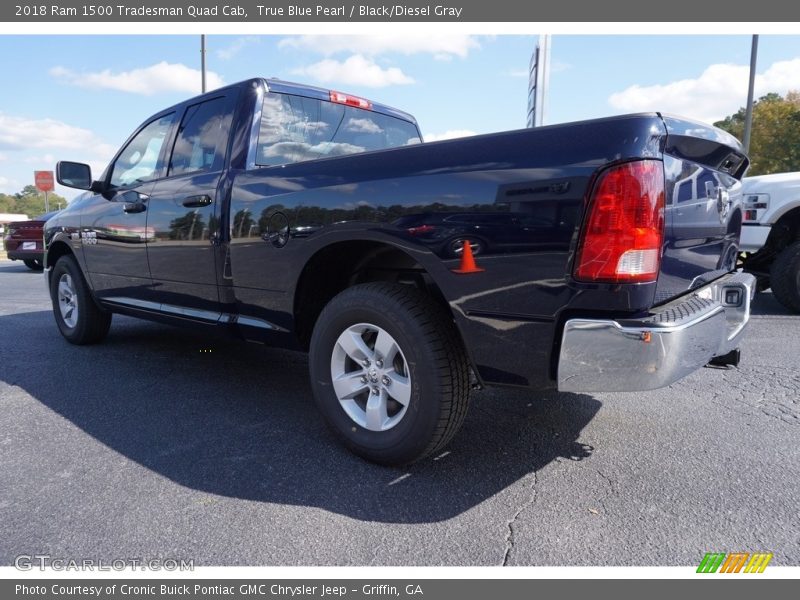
{"points": [[74, 175]]}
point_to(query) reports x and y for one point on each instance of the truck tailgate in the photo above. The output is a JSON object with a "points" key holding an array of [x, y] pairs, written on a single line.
{"points": [[703, 167]]}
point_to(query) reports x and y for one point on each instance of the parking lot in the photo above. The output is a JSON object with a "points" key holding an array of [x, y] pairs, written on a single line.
{"points": [[161, 443]]}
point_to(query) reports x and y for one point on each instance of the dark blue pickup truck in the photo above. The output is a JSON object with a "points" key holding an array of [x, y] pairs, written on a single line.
{"points": [[587, 257]]}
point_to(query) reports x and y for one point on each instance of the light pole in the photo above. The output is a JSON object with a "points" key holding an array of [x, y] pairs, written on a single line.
{"points": [[203, 63], [748, 118]]}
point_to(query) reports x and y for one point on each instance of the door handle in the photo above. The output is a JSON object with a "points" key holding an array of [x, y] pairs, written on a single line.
{"points": [[134, 207], [197, 201]]}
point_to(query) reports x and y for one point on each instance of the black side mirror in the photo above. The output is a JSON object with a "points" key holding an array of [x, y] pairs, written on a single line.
{"points": [[74, 175]]}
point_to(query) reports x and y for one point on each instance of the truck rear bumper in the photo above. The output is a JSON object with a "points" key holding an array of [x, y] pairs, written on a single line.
{"points": [[25, 254], [644, 354]]}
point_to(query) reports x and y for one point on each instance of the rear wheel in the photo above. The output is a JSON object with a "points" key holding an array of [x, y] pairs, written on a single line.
{"points": [[389, 373], [34, 264], [77, 315], [785, 277]]}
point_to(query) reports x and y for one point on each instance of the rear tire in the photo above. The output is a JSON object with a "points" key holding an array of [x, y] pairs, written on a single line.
{"points": [[33, 264], [785, 277], [77, 315], [401, 409]]}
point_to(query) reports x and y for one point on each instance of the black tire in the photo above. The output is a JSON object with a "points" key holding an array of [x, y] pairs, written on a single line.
{"points": [[437, 367], [34, 264], [91, 323], [784, 277]]}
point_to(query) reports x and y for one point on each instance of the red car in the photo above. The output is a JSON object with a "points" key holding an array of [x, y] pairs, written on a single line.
{"points": [[24, 241]]}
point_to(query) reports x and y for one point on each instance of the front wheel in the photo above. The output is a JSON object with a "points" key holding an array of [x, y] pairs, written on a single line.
{"points": [[389, 372], [78, 317]]}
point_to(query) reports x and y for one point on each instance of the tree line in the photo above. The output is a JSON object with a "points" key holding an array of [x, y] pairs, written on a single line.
{"points": [[775, 138], [30, 201]]}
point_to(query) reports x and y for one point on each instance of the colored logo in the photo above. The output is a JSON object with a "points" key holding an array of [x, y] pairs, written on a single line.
{"points": [[735, 562]]}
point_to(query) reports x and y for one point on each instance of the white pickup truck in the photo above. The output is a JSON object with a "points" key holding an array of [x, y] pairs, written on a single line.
{"points": [[770, 241]]}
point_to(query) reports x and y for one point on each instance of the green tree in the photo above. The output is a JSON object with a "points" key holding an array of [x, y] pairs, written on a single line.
{"points": [[30, 201], [190, 226], [7, 203], [775, 139]]}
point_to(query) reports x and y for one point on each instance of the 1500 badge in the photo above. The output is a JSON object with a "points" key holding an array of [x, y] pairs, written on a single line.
{"points": [[88, 237]]}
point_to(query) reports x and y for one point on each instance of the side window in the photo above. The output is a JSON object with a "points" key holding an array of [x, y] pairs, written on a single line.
{"points": [[686, 190], [138, 162], [200, 141], [707, 185]]}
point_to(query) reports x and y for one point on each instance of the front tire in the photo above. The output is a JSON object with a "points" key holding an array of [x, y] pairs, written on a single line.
{"points": [[389, 373], [785, 277], [77, 315]]}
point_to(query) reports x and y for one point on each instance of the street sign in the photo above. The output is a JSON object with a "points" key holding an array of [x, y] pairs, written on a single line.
{"points": [[44, 181]]}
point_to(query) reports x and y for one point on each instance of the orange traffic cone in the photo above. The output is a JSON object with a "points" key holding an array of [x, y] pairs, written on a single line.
{"points": [[468, 261]]}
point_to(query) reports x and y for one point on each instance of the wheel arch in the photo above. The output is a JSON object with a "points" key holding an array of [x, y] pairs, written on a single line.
{"points": [[55, 250], [785, 230], [344, 263]]}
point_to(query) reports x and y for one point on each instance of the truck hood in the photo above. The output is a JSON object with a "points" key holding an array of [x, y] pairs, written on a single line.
{"points": [[760, 183]]}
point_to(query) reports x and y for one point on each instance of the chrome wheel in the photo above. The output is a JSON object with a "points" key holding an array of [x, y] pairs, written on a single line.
{"points": [[67, 301], [457, 246], [370, 377]]}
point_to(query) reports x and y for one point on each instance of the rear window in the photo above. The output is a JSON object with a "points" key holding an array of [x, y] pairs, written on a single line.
{"points": [[296, 128]]}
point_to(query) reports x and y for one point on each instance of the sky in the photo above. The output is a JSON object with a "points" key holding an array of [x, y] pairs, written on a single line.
{"points": [[78, 97]]}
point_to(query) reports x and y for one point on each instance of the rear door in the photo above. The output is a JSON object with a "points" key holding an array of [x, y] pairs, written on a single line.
{"points": [[703, 167], [183, 215]]}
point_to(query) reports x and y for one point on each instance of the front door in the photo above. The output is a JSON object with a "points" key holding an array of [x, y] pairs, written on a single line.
{"points": [[114, 228], [184, 211]]}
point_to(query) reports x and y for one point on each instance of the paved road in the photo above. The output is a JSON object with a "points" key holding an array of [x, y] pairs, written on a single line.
{"points": [[159, 443]]}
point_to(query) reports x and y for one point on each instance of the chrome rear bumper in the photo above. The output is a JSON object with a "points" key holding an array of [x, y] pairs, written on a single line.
{"points": [[644, 354]]}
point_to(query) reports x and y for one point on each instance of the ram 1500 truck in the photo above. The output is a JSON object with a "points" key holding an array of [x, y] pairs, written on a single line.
{"points": [[573, 256], [771, 234]]}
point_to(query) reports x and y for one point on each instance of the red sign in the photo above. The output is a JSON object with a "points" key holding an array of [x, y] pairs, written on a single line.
{"points": [[44, 181]]}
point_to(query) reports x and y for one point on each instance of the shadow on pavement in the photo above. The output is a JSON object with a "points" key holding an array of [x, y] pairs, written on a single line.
{"points": [[238, 420]]}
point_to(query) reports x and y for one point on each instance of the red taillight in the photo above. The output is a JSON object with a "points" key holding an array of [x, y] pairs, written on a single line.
{"points": [[621, 241], [349, 100], [421, 230]]}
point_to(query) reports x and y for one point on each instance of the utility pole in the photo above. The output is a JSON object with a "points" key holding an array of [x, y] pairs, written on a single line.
{"points": [[748, 119], [203, 63]]}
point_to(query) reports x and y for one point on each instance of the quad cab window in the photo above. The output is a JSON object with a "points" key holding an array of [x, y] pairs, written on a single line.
{"points": [[202, 130]]}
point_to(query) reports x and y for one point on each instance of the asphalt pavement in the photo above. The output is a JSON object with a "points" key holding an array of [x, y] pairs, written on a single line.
{"points": [[160, 443]]}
